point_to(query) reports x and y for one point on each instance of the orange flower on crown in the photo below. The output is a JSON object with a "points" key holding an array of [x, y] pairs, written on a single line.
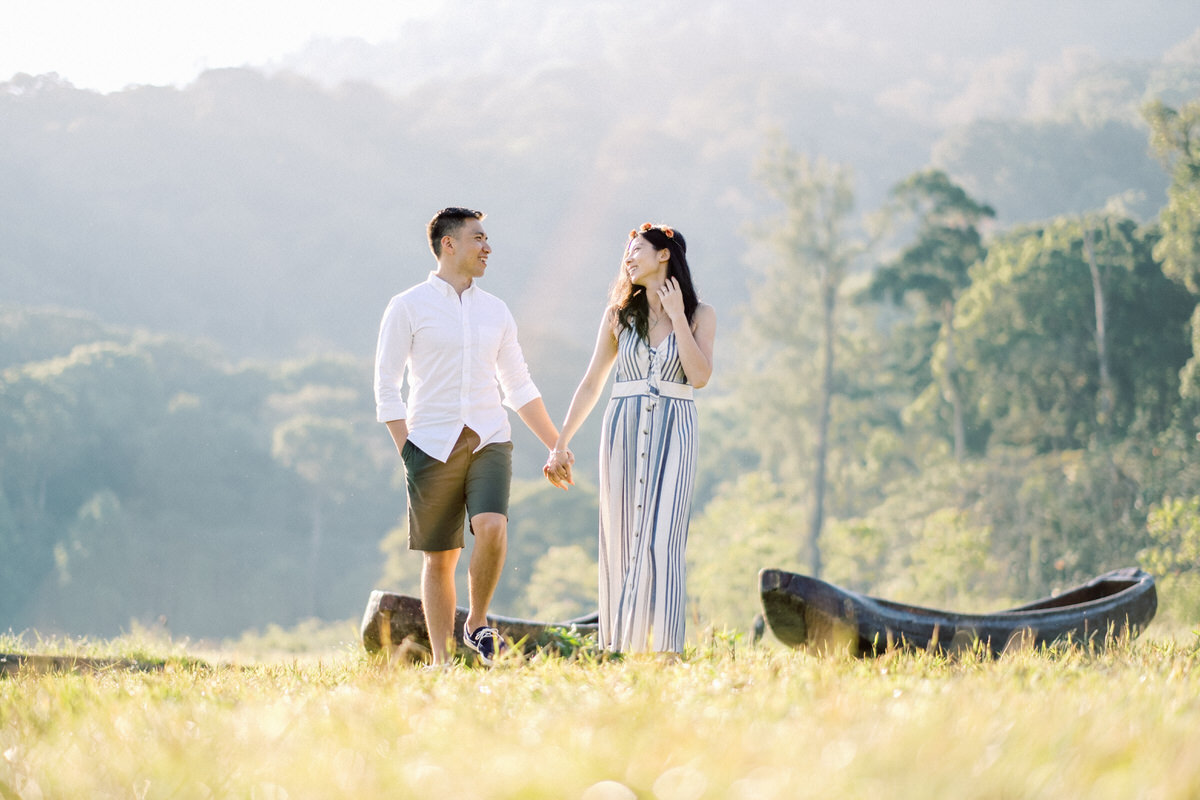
{"points": [[646, 226]]}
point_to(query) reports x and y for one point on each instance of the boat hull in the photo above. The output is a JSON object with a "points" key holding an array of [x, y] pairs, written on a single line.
{"points": [[805, 612], [396, 620]]}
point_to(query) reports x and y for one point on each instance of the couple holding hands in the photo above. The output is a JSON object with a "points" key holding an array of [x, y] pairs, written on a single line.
{"points": [[458, 345]]}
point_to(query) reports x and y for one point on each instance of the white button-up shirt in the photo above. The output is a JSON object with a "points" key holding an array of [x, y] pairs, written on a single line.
{"points": [[460, 353]]}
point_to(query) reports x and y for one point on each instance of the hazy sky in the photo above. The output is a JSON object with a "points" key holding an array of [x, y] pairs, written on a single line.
{"points": [[109, 45]]}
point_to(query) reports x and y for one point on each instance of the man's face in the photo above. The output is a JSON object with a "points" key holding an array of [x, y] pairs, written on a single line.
{"points": [[471, 248]]}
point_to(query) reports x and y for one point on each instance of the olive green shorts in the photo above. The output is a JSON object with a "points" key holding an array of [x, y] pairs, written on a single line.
{"points": [[441, 495]]}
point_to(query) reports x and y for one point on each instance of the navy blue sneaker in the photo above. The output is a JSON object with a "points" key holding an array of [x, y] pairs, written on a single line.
{"points": [[485, 641]]}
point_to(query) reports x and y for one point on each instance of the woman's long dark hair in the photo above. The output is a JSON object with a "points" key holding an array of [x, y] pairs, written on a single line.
{"points": [[627, 301]]}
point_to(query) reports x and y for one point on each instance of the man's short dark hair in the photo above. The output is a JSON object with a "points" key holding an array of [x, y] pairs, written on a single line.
{"points": [[446, 223]]}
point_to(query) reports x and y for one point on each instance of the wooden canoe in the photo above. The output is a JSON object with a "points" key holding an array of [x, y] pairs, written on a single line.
{"points": [[804, 611], [397, 620]]}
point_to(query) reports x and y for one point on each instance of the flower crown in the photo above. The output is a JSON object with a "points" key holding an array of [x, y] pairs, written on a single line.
{"points": [[646, 226]]}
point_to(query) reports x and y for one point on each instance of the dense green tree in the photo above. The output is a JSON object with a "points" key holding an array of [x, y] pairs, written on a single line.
{"points": [[1175, 138], [138, 482], [1026, 328], [935, 267], [794, 309], [65, 435], [1173, 554]]}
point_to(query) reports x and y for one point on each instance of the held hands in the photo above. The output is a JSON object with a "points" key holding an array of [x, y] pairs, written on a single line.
{"points": [[558, 468]]}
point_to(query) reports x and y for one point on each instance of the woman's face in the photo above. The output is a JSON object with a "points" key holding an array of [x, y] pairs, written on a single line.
{"points": [[644, 264]]}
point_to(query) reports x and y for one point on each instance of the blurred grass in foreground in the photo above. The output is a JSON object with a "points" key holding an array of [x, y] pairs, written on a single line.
{"points": [[730, 720]]}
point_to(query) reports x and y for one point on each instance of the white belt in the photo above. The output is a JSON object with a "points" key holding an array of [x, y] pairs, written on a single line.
{"points": [[678, 391]]}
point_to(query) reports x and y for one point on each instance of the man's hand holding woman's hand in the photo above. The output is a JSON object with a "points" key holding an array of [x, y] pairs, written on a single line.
{"points": [[558, 468]]}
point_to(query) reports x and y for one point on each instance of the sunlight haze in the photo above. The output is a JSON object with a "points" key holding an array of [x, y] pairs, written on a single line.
{"points": [[108, 46]]}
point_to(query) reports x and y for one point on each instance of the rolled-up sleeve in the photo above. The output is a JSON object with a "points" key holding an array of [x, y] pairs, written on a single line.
{"points": [[391, 357], [512, 371]]}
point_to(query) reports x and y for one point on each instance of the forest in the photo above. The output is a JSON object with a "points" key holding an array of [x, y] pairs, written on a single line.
{"points": [[928, 390]]}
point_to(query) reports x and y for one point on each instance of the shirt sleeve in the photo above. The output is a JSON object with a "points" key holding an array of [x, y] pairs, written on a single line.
{"points": [[391, 357], [511, 369]]}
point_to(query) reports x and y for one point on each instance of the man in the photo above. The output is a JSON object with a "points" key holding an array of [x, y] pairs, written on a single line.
{"points": [[459, 346]]}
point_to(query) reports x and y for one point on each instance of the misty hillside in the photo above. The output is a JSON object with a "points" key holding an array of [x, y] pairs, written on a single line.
{"points": [[275, 210], [191, 280]]}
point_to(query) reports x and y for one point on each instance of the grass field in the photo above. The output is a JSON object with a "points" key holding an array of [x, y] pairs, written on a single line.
{"points": [[730, 720]]}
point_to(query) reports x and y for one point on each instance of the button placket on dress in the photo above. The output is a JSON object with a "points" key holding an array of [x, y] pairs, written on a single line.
{"points": [[645, 426]]}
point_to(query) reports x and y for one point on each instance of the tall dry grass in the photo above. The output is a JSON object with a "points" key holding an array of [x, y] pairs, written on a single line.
{"points": [[730, 720]]}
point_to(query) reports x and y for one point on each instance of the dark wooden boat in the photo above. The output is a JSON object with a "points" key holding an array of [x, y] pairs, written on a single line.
{"points": [[397, 620], [804, 611]]}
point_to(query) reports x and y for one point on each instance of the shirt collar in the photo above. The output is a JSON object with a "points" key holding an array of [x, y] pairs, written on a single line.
{"points": [[444, 286]]}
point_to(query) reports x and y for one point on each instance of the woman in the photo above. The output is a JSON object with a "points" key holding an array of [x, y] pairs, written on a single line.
{"points": [[661, 339]]}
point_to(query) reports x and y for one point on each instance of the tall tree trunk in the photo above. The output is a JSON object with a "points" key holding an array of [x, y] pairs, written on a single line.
{"points": [[1104, 413], [817, 521], [955, 396]]}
